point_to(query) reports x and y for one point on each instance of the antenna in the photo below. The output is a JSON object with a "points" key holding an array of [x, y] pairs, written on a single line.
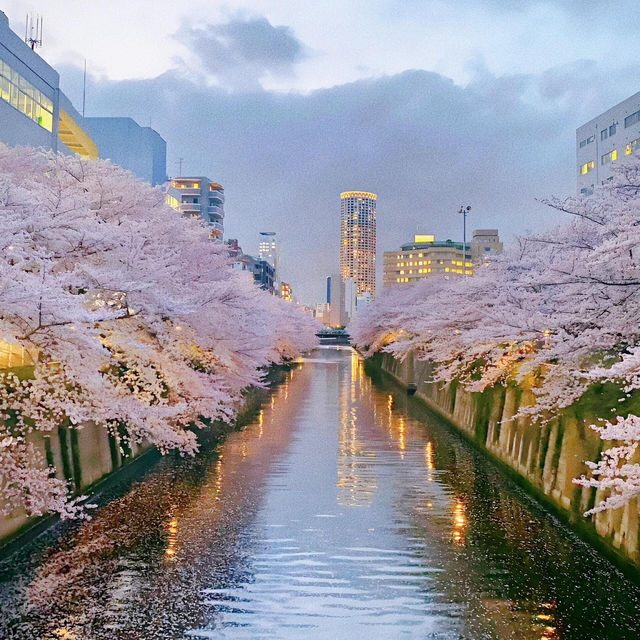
{"points": [[84, 87], [33, 31], [179, 163]]}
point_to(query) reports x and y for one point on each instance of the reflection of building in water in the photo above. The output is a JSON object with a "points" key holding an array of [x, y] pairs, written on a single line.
{"points": [[459, 522], [356, 476]]}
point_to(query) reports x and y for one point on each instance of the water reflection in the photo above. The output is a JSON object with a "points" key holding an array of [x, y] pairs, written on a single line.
{"points": [[342, 512], [459, 522]]}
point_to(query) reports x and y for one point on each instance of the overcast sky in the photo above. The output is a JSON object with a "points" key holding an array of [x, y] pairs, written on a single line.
{"points": [[431, 104]]}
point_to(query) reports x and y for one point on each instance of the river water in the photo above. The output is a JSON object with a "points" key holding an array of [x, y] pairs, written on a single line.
{"points": [[344, 512]]}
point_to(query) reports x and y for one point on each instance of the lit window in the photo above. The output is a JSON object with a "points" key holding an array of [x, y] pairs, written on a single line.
{"points": [[22, 95], [586, 167], [634, 145], [612, 156]]}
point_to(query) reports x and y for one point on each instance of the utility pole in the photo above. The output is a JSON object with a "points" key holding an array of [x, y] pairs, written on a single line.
{"points": [[464, 210]]}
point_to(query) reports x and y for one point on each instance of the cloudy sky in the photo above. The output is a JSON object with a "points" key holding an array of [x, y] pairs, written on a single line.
{"points": [[430, 103]]}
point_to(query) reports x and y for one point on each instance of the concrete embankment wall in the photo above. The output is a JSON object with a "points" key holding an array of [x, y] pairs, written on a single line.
{"points": [[545, 459], [90, 456]]}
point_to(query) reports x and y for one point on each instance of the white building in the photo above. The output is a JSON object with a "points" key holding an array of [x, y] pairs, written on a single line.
{"points": [[363, 301], [336, 301], [350, 299], [606, 140], [198, 197], [268, 250]]}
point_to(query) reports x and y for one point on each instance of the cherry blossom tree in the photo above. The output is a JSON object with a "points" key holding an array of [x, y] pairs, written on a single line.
{"points": [[561, 306], [130, 314]]}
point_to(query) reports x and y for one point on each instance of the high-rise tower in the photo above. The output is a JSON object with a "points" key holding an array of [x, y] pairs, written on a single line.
{"points": [[358, 239]]}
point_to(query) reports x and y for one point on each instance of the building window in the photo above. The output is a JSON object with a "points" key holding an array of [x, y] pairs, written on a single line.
{"points": [[590, 139], [586, 167], [612, 156], [603, 134], [23, 96], [634, 145], [612, 129], [632, 119], [583, 143]]}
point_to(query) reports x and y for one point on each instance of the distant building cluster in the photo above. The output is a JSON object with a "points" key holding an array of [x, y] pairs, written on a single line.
{"points": [[427, 258], [262, 268]]}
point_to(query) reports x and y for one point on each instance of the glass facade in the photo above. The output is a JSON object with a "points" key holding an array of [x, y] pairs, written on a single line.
{"points": [[23, 96]]}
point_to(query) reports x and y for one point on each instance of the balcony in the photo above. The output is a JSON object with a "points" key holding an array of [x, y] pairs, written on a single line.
{"points": [[185, 191], [189, 207], [215, 211]]}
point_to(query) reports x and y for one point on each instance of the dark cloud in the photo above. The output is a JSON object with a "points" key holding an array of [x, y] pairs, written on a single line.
{"points": [[423, 143], [242, 51]]}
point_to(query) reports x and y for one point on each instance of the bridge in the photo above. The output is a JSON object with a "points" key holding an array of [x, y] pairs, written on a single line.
{"points": [[334, 337]]}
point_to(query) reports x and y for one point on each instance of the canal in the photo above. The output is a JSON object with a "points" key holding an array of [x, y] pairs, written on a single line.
{"points": [[344, 511]]}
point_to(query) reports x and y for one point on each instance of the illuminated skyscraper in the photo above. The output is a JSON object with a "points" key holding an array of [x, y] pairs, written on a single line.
{"points": [[358, 239]]}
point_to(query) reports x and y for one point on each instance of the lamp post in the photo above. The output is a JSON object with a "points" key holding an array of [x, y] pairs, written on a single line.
{"points": [[464, 210]]}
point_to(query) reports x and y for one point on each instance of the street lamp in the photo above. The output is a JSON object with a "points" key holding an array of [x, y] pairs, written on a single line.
{"points": [[464, 210]]}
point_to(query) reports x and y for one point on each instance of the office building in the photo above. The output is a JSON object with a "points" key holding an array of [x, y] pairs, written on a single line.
{"points": [[426, 258], [350, 299], [363, 300], [34, 112], [198, 197], [336, 301], [605, 141], [141, 150], [358, 239], [268, 250]]}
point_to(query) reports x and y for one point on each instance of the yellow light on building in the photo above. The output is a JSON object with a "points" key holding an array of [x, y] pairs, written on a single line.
{"points": [[419, 237]]}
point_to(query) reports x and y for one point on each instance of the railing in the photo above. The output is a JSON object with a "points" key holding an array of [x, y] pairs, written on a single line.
{"points": [[189, 206]]}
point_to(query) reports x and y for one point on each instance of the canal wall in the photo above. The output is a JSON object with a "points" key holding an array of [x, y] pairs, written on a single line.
{"points": [[543, 459], [88, 458]]}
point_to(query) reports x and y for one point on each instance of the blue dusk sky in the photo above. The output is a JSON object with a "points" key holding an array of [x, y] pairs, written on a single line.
{"points": [[431, 104]]}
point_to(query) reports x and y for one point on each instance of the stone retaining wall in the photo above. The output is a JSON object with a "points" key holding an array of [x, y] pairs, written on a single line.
{"points": [[546, 458], [88, 456]]}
